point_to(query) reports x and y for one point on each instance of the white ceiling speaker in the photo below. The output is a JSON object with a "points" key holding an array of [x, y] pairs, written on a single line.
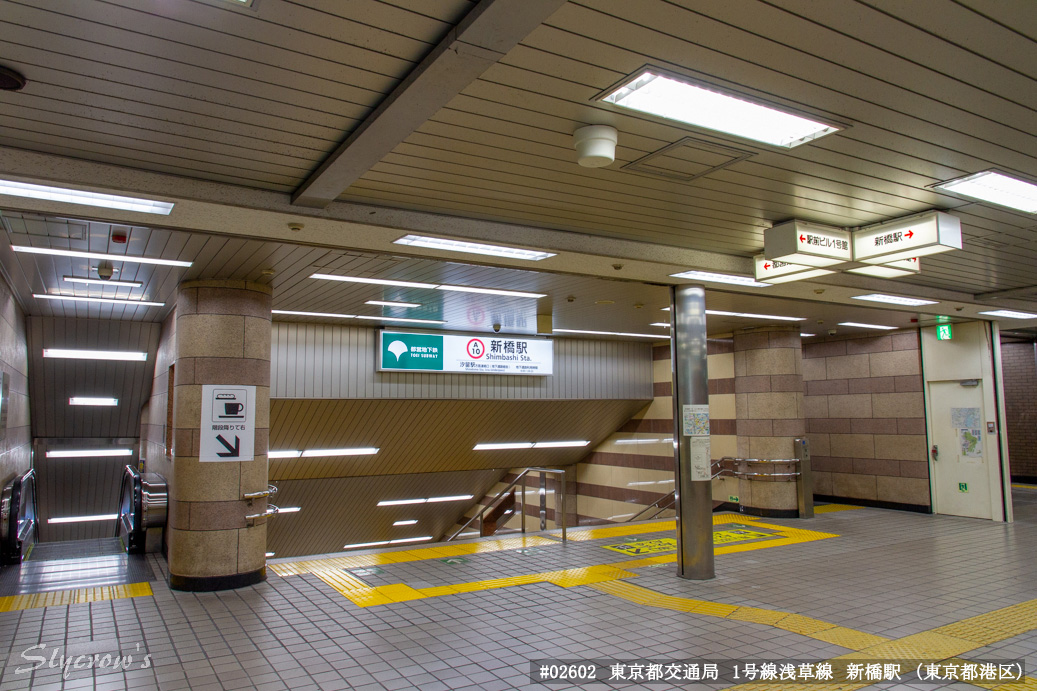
{"points": [[595, 145]]}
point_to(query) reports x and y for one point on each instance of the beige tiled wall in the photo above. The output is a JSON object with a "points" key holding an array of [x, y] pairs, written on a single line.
{"points": [[866, 417]]}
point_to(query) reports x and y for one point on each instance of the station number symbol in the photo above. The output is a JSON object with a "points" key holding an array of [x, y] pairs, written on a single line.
{"points": [[475, 348]]}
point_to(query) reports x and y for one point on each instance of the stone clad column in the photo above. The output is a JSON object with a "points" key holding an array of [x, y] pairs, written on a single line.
{"points": [[222, 338], [769, 411]]}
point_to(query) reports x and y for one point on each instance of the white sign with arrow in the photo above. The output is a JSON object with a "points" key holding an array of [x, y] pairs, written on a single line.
{"points": [[228, 425]]}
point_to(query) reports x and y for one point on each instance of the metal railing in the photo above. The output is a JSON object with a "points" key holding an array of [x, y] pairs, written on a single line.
{"points": [[143, 504], [667, 501], [745, 462], [560, 503], [18, 521]]}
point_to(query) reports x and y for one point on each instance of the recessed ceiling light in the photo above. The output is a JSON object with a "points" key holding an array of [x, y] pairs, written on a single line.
{"points": [[503, 446], [390, 303], [424, 538], [427, 286], [108, 301], [868, 326], [412, 521], [99, 255], [1010, 314], [63, 194], [710, 277], [559, 444], [894, 299], [750, 315], [88, 453], [269, 554], [661, 325], [491, 291], [284, 454], [807, 335], [996, 188], [425, 500], [295, 313], [359, 451], [93, 401], [706, 106], [289, 509], [84, 519], [608, 333], [103, 282], [360, 545], [374, 281], [122, 355], [405, 320], [472, 248]]}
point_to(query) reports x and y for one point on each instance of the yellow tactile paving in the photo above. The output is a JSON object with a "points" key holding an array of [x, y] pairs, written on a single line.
{"points": [[295, 568], [829, 508], [848, 638], [57, 598]]}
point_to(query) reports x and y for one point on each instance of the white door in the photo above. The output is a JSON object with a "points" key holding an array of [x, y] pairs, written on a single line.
{"points": [[959, 465]]}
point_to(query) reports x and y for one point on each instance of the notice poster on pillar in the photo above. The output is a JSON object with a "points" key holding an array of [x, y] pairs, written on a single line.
{"points": [[695, 420], [228, 424], [698, 454]]}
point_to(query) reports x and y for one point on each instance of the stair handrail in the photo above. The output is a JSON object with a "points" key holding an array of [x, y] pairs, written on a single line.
{"points": [[500, 495]]}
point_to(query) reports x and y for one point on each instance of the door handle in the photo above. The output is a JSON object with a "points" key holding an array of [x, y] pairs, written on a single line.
{"points": [[935, 452]]}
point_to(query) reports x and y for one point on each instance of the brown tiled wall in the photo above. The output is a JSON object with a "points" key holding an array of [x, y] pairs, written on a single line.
{"points": [[1020, 382], [866, 417], [15, 444]]}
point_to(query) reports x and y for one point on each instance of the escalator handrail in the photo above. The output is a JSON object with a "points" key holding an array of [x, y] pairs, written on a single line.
{"points": [[12, 533]]}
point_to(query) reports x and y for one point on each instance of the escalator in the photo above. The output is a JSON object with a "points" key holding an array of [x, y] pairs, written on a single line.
{"points": [[28, 566]]}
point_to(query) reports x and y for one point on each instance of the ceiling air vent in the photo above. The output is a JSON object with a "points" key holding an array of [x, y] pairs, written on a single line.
{"points": [[687, 159]]}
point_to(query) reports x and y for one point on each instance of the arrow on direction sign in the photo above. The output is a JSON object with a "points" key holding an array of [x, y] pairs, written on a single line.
{"points": [[232, 451], [910, 234]]}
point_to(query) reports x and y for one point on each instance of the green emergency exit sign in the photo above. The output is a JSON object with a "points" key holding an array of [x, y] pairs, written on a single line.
{"points": [[963, 487], [943, 332]]}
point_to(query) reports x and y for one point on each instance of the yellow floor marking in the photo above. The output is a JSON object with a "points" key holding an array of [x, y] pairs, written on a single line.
{"points": [[1019, 485], [55, 598], [829, 508], [295, 568]]}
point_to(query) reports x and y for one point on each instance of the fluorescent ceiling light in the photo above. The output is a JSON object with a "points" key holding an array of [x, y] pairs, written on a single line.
{"points": [[426, 500], [661, 325], [88, 400], [491, 291], [107, 301], [503, 446], [374, 281], [894, 299], [269, 554], [868, 326], [1010, 314], [295, 313], [472, 248], [608, 333], [750, 315], [126, 355], [99, 255], [289, 509], [63, 194], [103, 282], [710, 277], [284, 454], [88, 453], [390, 303], [412, 521], [559, 444], [653, 93], [360, 545], [358, 451], [400, 319], [428, 286], [996, 188], [84, 519], [401, 540], [806, 335]]}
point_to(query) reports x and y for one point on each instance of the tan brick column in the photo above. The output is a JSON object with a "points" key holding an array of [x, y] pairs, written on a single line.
{"points": [[222, 338], [768, 391]]}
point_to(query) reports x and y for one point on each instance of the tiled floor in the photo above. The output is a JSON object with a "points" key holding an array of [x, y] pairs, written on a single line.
{"points": [[881, 585]]}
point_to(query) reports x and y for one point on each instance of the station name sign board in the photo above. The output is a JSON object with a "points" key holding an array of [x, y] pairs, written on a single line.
{"points": [[419, 352]]}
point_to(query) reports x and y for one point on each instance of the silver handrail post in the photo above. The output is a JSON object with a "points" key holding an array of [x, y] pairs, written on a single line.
{"points": [[565, 506]]}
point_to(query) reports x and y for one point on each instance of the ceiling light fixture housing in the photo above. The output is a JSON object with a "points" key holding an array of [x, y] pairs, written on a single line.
{"points": [[71, 196], [103, 282], [710, 277], [100, 255], [123, 355], [895, 300], [472, 248], [996, 188], [667, 95], [1010, 314]]}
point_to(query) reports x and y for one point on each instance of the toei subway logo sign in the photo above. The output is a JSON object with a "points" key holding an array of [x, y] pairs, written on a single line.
{"points": [[415, 352]]}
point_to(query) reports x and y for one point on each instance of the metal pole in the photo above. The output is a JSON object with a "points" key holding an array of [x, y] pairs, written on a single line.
{"points": [[543, 501], [693, 472], [805, 485], [522, 505], [564, 500]]}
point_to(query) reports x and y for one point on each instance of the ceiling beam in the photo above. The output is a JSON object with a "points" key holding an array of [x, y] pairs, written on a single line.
{"points": [[1027, 291], [478, 41]]}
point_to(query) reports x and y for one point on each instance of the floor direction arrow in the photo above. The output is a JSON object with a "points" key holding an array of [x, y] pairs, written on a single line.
{"points": [[232, 451]]}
